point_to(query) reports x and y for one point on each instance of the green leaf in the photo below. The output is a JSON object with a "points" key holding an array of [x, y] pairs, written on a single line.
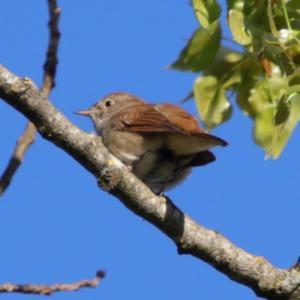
{"points": [[294, 89], [259, 98], [293, 4], [282, 113], [232, 79], [224, 63], [274, 126], [237, 4], [200, 50], [211, 101], [236, 21], [207, 11], [278, 86], [266, 92], [263, 128], [249, 70]]}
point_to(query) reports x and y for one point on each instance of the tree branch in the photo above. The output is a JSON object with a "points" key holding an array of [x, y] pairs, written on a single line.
{"points": [[50, 289], [28, 136], [190, 237]]}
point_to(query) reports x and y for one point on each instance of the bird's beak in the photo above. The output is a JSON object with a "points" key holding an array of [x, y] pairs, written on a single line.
{"points": [[86, 113]]}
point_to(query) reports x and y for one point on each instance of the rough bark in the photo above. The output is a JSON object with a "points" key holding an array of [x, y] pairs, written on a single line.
{"points": [[190, 237]]}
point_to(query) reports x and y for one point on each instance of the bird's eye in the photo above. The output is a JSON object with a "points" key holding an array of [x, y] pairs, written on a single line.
{"points": [[108, 103]]}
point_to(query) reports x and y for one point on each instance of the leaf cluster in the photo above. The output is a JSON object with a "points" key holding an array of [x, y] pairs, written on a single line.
{"points": [[262, 71]]}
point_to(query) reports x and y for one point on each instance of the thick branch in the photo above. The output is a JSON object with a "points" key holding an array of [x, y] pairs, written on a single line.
{"points": [[190, 237], [28, 136], [39, 289]]}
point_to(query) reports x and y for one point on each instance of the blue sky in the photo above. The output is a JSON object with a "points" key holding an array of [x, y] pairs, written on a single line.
{"points": [[57, 226]]}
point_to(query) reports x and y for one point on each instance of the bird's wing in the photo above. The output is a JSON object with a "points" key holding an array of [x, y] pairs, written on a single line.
{"points": [[180, 117], [163, 118], [202, 158], [144, 119], [195, 160], [185, 121]]}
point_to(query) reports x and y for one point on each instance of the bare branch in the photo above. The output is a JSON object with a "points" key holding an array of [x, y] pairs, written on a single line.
{"points": [[51, 56], [190, 237], [41, 289], [22, 145], [28, 137]]}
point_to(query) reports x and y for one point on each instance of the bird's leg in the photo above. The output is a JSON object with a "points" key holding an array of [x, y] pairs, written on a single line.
{"points": [[175, 160]]}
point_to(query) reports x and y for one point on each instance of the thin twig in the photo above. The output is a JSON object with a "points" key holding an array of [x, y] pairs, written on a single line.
{"points": [[50, 289], [28, 136], [51, 57]]}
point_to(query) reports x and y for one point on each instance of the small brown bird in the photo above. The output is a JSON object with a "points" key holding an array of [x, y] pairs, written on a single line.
{"points": [[160, 143]]}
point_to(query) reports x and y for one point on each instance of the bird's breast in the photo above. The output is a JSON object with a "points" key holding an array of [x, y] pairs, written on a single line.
{"points": [[129, 146]]}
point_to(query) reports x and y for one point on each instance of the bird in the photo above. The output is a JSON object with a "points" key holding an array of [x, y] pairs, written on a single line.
{"points": [[159, 143]]}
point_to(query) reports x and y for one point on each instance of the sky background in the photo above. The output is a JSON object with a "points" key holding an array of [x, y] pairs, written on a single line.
{"points": [[57, 226]]}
